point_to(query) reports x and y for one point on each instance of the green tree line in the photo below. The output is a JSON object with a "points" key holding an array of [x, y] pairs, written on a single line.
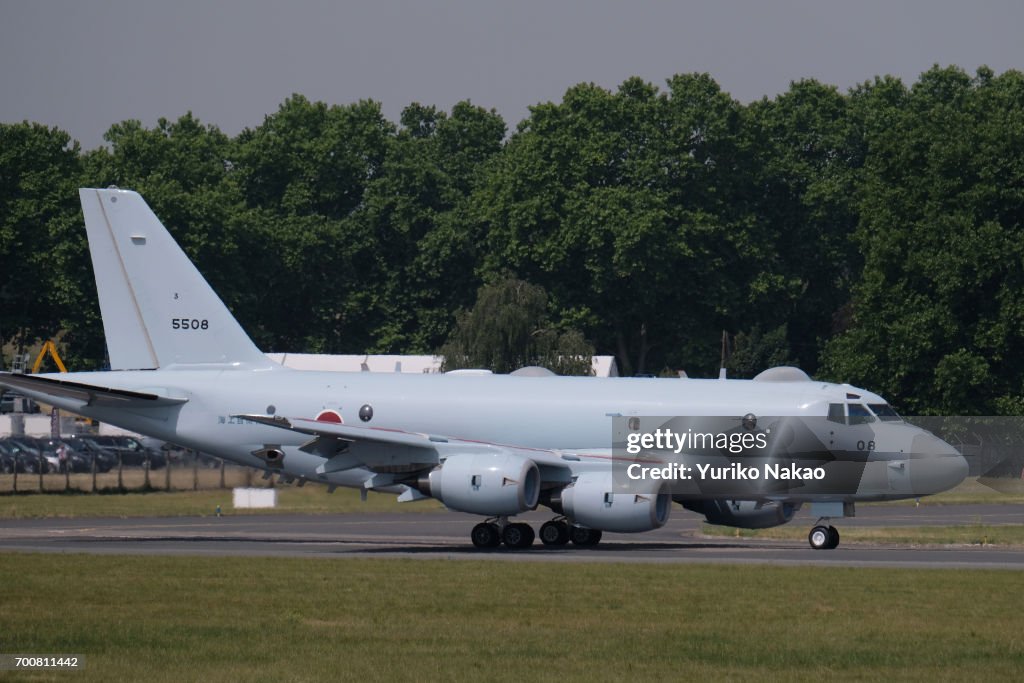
{"points": [[872, 236]]}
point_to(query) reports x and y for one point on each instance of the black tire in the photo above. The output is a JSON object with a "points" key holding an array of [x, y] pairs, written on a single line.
{"points": [[518, 536], [584, 537], [833, 538], [820, 537], [554, 533], [485, 535]]}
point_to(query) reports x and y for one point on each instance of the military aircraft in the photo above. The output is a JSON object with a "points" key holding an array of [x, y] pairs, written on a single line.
{"points": [[183, 370]]}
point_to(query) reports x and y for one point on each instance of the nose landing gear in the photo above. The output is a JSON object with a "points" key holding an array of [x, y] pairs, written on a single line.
{"points": [[823, 537]]}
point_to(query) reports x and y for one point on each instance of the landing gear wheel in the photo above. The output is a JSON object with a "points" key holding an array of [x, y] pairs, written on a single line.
{"points": [[485, 535], [584, 537], [821, 536], [554, 533], [833, 538], [518, 535]]}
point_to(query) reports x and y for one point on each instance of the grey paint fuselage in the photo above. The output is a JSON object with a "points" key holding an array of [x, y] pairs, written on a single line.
{"points": [[546, 418]]}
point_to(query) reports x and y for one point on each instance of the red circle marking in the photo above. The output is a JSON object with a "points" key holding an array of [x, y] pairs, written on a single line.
{"points": [[332, 416]]}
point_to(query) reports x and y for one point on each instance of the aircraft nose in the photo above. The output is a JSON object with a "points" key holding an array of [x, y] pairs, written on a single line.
{"points": [[937, 466]]}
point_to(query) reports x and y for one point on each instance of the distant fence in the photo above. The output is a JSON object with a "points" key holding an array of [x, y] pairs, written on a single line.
{"points": [[188, 472]]}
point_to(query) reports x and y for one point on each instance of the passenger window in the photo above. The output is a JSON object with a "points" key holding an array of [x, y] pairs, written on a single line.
{"points": [[836, 413], [859, 414]]}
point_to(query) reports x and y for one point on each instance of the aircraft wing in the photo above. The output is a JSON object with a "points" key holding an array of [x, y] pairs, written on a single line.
{"points": [[42, 388], [375, 435], [345, 447], [381, 449]]}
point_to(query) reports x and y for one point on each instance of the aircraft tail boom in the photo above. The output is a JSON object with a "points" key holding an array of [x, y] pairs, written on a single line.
{"points": [[158, 310]]}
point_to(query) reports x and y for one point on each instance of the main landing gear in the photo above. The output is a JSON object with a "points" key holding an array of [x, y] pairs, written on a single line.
{"points": [[823, 537], [491, 534], [557, 532]]}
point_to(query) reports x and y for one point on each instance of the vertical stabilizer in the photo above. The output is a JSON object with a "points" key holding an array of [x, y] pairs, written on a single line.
{"points": [[157, 309]]}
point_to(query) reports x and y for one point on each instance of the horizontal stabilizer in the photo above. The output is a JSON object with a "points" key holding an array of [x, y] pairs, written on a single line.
{"points": [[89, 394]]}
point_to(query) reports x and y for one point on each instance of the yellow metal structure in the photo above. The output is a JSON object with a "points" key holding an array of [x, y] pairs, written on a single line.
{"points": [[50, 347]]}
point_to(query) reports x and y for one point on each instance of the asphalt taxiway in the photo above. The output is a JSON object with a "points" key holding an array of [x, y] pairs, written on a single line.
{"points": [[445, 535]]}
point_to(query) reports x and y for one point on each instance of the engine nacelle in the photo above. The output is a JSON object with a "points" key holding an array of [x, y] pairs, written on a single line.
{"points": [[486, 483], [745, 514], [271, 455], [592, 501]]}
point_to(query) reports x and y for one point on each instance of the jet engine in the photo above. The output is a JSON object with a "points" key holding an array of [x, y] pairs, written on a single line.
{"points": [[592, 501], [485, 483], [271, 455], [745, 514]]}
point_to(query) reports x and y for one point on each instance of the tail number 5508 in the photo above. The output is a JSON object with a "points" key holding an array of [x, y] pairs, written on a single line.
{"points": [[189, 324]]}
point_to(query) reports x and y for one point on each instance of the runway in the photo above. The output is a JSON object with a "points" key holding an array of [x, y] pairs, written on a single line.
{"points": [[445, 535]]}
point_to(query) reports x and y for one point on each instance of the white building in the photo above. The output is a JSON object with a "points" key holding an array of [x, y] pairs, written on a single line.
{"points": [[604, 366]]}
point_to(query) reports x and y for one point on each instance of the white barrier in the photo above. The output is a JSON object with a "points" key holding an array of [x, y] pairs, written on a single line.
{"points": [[255, 498]]}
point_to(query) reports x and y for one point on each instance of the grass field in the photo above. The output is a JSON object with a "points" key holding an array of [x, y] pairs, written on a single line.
{"points": [[312, 498], [205, 619], [965, 534], [970, 491]]}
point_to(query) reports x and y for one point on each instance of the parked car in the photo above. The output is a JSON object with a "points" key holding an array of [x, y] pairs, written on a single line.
{"points": [[105, 457], [6, 458], [36, 447], [69, 459], [81, 459], [131, 452], [25, 459]]}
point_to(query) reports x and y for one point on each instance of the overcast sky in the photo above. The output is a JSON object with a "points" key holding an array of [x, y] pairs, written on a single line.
{"points": [[83, 65]]}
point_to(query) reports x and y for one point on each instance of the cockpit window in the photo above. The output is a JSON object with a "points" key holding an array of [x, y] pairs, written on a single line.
{"points": [[884, 412], [836, 413], [859, 414]]}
